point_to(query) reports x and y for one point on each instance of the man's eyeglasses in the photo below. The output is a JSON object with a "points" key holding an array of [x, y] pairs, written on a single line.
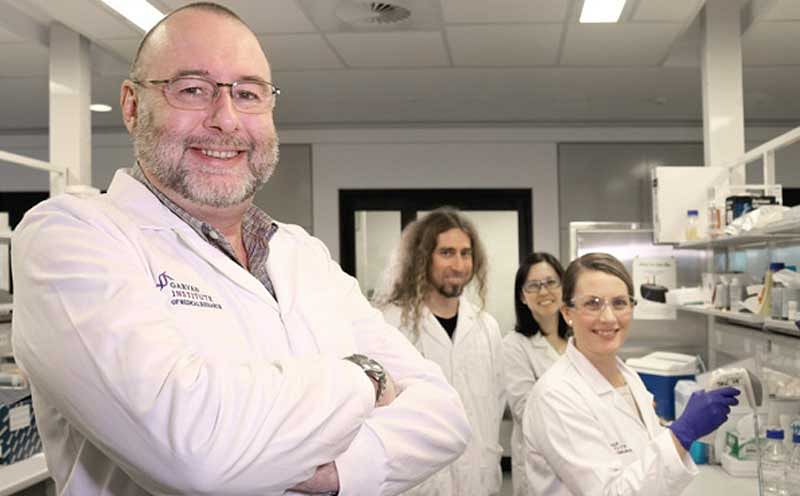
{"points": [[534, 286], [594, 305], [199, 93]]}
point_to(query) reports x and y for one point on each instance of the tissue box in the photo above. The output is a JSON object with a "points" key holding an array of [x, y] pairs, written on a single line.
{"points": [[19, 438]]}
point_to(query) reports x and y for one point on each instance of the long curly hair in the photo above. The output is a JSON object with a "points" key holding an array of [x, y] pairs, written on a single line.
{"points": [[408, 280]]}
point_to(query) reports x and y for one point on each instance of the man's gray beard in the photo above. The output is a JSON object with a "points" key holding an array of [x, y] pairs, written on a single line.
{"points": [[162, 154]]}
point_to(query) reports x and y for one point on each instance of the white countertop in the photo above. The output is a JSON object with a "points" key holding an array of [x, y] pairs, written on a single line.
{"points": [[713, 480], [23, 474]]}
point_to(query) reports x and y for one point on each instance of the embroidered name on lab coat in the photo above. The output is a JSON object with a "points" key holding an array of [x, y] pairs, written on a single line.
{"points": [[620, 448], [185, 294]]}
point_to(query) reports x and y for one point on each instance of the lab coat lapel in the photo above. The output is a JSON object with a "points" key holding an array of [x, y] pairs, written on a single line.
{"points": [[219, 260], [466, 321], [283, 268], [643, 398], [435, 330], [134, 200], [601, 386], [540, 342]]}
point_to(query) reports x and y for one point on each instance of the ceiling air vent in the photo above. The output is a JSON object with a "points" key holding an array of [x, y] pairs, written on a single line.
{"points": [[371, 13]]}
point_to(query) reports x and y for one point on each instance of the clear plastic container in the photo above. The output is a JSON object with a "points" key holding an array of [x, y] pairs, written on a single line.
{"points": [[735, 293], [793, 463], [773, 464], [692, 225], [715, 227]]}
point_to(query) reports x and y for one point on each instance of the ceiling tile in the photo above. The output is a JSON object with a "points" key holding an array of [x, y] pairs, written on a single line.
{"points": [[8, 36], [274, 16], [783, 10], [105, 61], [24, 60], [619, 44], [483, 11], [510, 45], [772, 43], [671, 11], [288, 52], [395, 49], [329, 16], [124, 47], [90, 18]]}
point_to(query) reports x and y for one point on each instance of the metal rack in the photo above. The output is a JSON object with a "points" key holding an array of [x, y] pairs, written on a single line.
{"points": [[736, 335]]}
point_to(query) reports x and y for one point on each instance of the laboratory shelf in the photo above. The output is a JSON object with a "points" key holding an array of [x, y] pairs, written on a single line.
{"points": [[22, 474], [783, 230], [739, 317], [782, 326]]}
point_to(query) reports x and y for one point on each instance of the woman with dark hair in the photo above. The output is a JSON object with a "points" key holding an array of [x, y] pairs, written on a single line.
{"points": [[538, 340], [589, 425]]}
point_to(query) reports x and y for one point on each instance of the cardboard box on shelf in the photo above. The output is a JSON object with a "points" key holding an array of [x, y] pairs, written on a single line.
{"points": [[19, 438]]}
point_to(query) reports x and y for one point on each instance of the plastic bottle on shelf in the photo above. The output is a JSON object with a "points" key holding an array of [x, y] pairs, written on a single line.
{"points": [[692, 228], [736, 294], [714, 220], [773, 464], [793, 463], [776, 292], [722, 297]]}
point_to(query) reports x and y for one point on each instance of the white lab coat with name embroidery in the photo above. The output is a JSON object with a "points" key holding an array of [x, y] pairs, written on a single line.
{"points": [[472, 362], [526, 359], [161, 366], [583, 439]]}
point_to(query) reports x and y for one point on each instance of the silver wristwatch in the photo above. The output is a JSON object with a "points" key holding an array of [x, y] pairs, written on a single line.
{"points": [[374, 371]]}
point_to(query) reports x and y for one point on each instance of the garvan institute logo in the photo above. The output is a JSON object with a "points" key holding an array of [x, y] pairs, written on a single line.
{"points": [[185, 294]]}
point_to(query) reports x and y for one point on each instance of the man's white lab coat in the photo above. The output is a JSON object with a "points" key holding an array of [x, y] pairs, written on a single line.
{"points": [[473, 363], [583, 439], [526, 359], [159, 365]]}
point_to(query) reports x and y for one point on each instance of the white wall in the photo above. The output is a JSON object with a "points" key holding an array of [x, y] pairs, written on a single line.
{"points": [[436, 165]]}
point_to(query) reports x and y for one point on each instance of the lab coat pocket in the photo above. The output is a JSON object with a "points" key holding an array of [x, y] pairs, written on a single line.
{"points": [[491, 474]]}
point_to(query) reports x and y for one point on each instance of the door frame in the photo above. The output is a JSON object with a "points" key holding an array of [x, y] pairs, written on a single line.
{"points": [[409, 201]]}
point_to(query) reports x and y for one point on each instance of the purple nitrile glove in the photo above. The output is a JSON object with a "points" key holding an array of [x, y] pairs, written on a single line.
{"points": [[705, 411]]}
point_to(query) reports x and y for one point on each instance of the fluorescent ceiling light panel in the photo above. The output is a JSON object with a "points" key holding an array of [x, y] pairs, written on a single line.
{"points": [[139, 12], [601, 10], [100, 107]]}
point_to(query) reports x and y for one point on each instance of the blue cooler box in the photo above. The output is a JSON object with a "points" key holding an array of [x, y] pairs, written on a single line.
{"points": [[660, 371]]}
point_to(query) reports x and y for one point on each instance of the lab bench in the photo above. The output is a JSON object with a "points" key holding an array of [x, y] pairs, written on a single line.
{"points": [[713, 480], [23, 475]]}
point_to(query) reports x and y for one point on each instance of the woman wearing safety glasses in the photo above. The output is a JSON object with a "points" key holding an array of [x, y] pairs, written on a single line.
{"points": [[589, 424], [539, 339]]}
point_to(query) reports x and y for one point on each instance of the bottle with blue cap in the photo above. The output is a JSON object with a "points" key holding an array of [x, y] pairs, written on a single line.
{"points": [[692, 229], [793, 463], [773, 464]]}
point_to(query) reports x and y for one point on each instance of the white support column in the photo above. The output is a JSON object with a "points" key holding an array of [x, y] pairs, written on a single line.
{"points": [[721, 66], [70, 97]]}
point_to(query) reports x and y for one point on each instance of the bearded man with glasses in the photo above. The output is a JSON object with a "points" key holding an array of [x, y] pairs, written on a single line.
{"points": [[180, 341]]}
